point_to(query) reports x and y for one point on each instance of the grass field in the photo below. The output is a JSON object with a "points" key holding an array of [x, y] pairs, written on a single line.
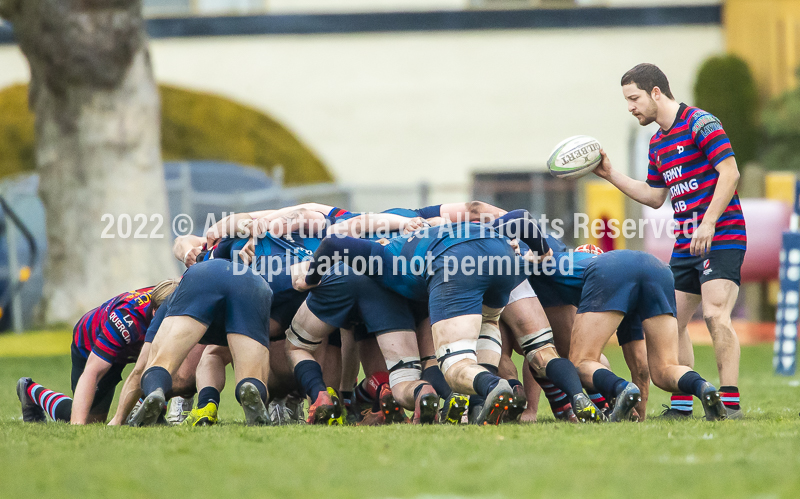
{"points": [[758, 457]]}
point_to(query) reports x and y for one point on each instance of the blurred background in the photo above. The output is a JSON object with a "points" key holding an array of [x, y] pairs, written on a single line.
{"points": [[373, 104]]}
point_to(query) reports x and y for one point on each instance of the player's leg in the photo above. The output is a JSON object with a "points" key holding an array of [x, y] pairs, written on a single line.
{"points": [[210, 382], [251, 367], [686, 277], [591, 332], [184, 387], [454, 404], [399, 348], [718, 298]]}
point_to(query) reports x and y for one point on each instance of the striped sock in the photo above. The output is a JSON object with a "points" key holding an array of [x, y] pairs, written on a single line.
{"points": [[598, 399], [730, 397], [681, 402], [57, 405], [559, 402]]}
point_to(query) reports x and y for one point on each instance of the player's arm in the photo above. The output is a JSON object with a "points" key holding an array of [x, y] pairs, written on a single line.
{"points": [[369, 224], [238, 223], [637, 190], [186, 248], [472, 211], [131, 389], [95, 369], [723, 193]]}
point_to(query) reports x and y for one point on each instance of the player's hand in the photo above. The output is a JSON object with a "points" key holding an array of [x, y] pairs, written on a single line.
{"points": [[702, 239], [298, 272], [214, 233], [603, 170], [414, 224], [190, 258], [248, 253], [536, 257], [515, 245]]}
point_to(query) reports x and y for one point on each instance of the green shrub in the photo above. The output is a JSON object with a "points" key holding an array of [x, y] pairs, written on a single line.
{"points": [[194, 125], [725, 88], [781, 123]]}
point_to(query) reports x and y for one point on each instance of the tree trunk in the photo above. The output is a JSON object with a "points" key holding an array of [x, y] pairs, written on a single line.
{"points": [[97, 149]]}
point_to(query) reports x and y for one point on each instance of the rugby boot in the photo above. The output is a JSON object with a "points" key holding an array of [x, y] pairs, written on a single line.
{"points": [[734, 413], [178, 408], [151, 411], [255, 412], [294, 409], [369, 418], [584, 409], [338, 410], [392, 412], [326, 410], [207, 416], [31, 413], [565, 413], [513, 414], [712, 405], [276, 413], [426, 406], [133, 412], [453, 409], [625, 403], [670, 413], [498, 403]]}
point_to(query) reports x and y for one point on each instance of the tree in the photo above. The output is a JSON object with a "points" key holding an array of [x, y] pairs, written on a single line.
{"points": [[97, 148], [725, 88], [781, 118]]}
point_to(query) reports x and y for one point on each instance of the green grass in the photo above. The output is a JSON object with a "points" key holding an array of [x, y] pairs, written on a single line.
{"points": [[758, 457]]}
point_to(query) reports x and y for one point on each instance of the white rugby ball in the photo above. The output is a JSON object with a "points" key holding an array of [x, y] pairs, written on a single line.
{"points": [[574, 157]]}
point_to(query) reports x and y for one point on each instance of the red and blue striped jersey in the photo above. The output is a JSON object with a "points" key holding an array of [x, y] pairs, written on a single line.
{"points": [[115, 330], [683, 159]]}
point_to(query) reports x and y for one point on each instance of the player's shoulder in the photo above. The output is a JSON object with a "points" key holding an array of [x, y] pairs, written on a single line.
{"points": [[701, 122]]}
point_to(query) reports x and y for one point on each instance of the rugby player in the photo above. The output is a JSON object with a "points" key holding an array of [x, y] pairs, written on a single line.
{"points": [[221, 303], [607, 289], [691, 159], [456, 322], [104, 341]]}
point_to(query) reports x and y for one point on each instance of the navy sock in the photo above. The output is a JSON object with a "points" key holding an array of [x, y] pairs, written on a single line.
{"points": [[154, 378], [691, 382], [514, 383], [206, 395], [262, 389], [562, 373], [434, 376], [608, 383], [308, 374], [484, 383]]}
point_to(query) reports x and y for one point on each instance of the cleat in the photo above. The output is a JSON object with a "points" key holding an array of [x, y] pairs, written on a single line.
{"points": [[133, 412], [206, 416], [670, 413], [454, 408], [734, 413], [585, 411], [151, 411], [294, 409], [178, 409], [492, 413], [276, 414], [369, 418], [565, 413], [625, 403], [392, 412], [426, 407], [474, 411], [338, 414], [326, 410], [712, 405], [31, 413], [255, 412]]}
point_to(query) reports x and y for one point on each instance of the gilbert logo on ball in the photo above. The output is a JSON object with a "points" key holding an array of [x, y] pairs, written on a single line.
{"points": [[574, 157]]}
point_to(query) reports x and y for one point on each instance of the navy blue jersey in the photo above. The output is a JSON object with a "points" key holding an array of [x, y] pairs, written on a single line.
{"points": [[561, 284]]}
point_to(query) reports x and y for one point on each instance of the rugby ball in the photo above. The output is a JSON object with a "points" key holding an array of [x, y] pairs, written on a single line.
{"points": [[574, 157]]}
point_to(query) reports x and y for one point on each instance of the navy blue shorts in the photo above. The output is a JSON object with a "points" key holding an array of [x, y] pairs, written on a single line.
{"points": [[489, 283], [227, 302], [630, 329], [343, 299], [631, 282]]}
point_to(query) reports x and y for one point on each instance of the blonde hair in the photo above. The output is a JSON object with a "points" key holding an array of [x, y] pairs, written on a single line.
{"points": [[162, 290]]}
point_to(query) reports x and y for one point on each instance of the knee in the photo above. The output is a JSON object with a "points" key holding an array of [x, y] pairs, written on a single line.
{"points": [[453, 375], [716, 320], [540, 360]]}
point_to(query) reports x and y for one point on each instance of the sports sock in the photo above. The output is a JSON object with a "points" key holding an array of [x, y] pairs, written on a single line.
{"points": [[597, 398], [347, 397], [369, 389], [206, 395], [484, 383], [154, 378], [434, 376], [691, 382], [514, 383], [608, 383], [681, 402], [559, 403], [308, 374], [262, 389], [57, 405], [564, 375], [730, 397]]}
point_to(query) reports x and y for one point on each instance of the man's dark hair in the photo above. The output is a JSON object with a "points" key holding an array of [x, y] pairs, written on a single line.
{"points": [[646, 77]]}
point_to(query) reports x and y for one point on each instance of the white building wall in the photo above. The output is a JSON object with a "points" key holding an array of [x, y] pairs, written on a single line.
{"points": [[402, 108]]}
